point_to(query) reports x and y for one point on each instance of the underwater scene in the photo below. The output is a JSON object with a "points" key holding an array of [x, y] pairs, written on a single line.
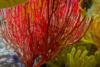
{"points": [[49, 33]]}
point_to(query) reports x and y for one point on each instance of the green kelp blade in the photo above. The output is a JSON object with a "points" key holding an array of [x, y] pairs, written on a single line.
{"points": [[10, 3]]}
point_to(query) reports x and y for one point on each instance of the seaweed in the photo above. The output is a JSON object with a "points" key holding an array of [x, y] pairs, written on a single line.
{"points": [[76, 57]]}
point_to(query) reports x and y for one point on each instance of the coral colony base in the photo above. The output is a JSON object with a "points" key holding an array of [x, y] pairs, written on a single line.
{"points": [[39, 29]]}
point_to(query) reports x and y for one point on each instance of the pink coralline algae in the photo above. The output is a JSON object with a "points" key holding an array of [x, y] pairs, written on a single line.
{"points": [[39, 29]]}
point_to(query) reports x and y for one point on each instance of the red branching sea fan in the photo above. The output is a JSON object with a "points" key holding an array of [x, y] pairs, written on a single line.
{"points": [[39, 29]]}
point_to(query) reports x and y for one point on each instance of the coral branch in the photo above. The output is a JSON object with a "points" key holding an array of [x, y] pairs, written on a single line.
{"points": [[40, 28]]}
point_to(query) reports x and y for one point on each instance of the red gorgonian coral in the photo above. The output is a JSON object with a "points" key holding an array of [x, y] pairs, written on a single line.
{"points": [[39, 29]]}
